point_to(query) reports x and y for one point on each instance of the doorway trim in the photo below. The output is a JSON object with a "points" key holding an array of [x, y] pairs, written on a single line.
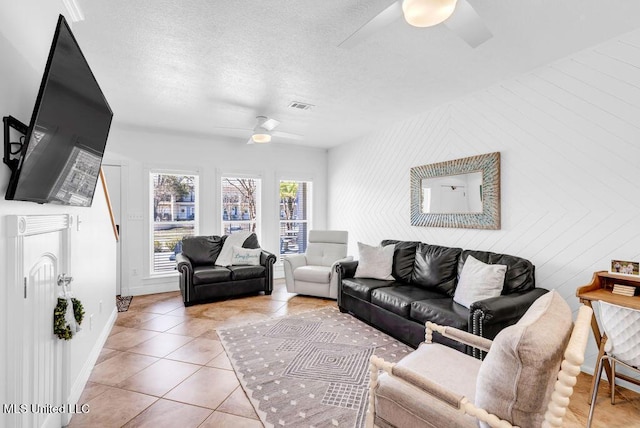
{"points": [[19, 227]]}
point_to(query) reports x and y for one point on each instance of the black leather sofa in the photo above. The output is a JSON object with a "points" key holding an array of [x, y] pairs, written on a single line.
{"points": [[201, 280], [402, 306]]}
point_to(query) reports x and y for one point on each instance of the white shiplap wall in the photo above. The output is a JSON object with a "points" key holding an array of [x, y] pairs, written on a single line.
{"points": [[569, 137]]}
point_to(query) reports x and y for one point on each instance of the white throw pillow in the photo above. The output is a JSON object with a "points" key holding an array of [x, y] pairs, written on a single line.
{"points": [[375, 262], [479, 281], [245, 256], [235, 239]]}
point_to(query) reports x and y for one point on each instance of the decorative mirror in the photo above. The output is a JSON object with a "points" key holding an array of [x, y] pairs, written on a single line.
{"points": [[462, 193]]}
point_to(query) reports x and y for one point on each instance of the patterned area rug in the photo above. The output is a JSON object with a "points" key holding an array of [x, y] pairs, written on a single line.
{"points": [[122, 303], [308, 370]]}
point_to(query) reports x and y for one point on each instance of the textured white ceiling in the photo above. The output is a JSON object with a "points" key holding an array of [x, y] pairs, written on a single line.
{"points": [[201, 66]]}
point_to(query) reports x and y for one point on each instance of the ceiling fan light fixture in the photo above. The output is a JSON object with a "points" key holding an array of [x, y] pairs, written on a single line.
{"points": [[427, 13], [261, 136]]}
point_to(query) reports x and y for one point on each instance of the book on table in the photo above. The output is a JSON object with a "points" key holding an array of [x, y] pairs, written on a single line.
{"points": [[624, 290]]}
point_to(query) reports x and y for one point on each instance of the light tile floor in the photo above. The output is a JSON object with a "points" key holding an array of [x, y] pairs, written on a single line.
{"points": [[163, 366]]}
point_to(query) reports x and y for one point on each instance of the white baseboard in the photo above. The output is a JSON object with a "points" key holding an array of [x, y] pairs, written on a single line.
{"points": [[153, 289], [85, 372]]}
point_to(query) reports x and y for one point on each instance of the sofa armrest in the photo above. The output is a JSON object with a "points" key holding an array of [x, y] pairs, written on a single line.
{"points": [[289, 264], [294, 261], [340, 261], [335, 278], [347, 269], [184, 266], [456, 334], [267, 258], [489, 316], [506, 308]]}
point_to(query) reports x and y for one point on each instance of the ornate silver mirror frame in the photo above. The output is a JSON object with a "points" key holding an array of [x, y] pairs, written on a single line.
{"points": [[489, 218]]}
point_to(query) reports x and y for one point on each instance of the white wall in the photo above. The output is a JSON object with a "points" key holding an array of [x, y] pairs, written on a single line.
{"points": [[139, 150], [26, 31], [568, 134]]}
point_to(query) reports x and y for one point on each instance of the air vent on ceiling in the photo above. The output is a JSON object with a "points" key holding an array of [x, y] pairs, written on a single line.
{"points": [[301, 106]]}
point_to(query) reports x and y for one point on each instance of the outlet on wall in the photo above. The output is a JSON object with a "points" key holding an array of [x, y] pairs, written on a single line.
{"points": [[134, 272]]}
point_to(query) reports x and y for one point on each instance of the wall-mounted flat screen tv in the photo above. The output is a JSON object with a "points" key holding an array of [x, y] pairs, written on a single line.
{"points": [[65, 141]]}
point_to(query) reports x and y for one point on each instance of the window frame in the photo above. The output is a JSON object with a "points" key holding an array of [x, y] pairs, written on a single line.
{"points": [[149, 246], [309, 210]]}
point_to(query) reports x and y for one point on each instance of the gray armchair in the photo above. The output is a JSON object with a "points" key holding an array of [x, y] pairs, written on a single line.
{"points": [[314, 273]]}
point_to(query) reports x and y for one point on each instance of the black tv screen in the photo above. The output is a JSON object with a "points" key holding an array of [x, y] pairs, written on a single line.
{"points": [[61, 158]]}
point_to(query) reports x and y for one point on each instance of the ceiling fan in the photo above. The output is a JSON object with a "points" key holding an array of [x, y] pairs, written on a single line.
{"points": [[262, 132], [458, 15]]}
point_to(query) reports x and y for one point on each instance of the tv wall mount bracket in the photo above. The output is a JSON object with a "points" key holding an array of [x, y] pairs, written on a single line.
{"points": [[12, 122]]}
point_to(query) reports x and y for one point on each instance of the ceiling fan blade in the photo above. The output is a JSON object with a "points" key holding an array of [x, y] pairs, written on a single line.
{"points": [[287, 136], [231, 132], [381, 20], [467, 24], [269, 124]]}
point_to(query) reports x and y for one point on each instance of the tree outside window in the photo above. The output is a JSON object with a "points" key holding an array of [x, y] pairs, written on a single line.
{"points": [[240, 204], [295, 208], [173, 199]]}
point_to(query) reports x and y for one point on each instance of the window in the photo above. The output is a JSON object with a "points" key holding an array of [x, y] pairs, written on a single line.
{"points": [[174, 201], [240, 205], [295, 210]]}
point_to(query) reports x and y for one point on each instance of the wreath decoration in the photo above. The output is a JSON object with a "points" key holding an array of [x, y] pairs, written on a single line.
{"points": [[60, 326]]}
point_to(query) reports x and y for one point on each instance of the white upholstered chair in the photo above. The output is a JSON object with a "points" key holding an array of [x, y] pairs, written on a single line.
{"points": [[313, 273], [620, 344], [523, 380]]}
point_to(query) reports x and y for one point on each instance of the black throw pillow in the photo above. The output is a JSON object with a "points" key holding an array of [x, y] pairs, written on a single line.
{"points": [[251, 242], [202, 250], [403, 258]]}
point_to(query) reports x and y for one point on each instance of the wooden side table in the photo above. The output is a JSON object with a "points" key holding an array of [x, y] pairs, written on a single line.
{"points": [[600, 289]]}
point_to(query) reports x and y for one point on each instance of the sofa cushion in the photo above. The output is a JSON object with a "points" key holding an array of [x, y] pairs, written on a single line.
{"points": [[436, 267], [479, 281], [440, 311], [210, 274], [403, 258], [516, 379], [398, 298], [401, 404], [247, 272], [202, 250], [520, 274], [361, 288], [374, 262], [319, 274]]}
